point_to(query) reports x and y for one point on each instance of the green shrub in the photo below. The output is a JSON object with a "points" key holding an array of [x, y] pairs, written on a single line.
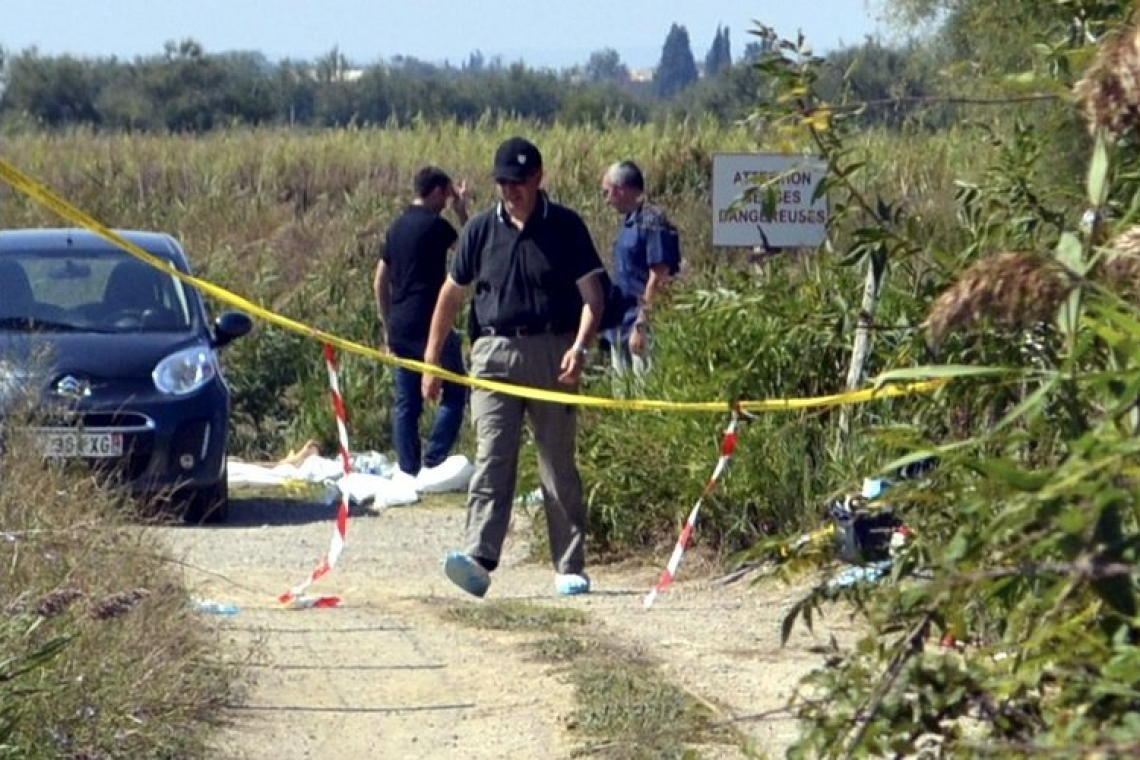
{"points": [[731, 335]]}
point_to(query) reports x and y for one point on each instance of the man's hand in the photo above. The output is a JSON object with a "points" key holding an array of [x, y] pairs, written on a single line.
{"points": [[431, 386], [459, 194], [638, 340], [573, 362]]}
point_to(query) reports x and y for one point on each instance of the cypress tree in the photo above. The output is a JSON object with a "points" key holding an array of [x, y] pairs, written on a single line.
{"points": [[719, 56], [677, 69]]}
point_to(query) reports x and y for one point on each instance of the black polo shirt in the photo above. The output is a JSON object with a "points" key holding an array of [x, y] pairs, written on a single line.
{"points": [[526, 278], [415, 250]]}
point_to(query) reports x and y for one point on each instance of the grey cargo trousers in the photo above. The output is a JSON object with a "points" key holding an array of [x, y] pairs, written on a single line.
{"points": [[532, 361]]}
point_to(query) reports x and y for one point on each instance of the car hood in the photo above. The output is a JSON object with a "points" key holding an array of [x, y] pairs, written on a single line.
{"points": [[97, 355]]}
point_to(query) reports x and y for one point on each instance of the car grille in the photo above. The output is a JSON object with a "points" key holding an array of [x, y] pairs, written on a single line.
{"points": [[143, 466], [127, 420]]}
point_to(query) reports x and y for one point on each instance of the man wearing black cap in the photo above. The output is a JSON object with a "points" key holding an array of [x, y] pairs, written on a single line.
{"points": [[536, 306]]}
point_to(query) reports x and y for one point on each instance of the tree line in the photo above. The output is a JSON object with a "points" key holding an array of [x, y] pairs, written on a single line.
{"points": [[187, 89]]}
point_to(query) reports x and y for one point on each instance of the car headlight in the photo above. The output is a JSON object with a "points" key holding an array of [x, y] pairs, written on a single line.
{"points": [[185, 371]]}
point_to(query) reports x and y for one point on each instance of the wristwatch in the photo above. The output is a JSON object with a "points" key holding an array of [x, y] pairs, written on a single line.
{"points": [[580, 350]]}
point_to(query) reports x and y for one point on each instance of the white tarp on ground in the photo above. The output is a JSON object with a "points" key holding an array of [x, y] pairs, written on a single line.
{"points": [[373, 480]]}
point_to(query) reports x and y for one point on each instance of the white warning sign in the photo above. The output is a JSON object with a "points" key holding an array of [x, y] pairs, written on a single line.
{"points": [[744, 184]]}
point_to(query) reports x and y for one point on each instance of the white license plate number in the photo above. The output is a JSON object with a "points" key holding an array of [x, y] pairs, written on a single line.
{"points": [[68, 444]]}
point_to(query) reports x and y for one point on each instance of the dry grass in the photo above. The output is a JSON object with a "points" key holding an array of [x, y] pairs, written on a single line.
{"points": [[103, 655], [509, 615], [1011, 290], [1109, 91], [1119, 270]]}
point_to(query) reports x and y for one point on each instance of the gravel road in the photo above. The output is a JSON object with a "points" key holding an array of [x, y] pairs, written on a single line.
{"points": [[384, 675]]}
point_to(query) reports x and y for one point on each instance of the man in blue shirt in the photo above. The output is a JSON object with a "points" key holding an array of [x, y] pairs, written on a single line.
{"points": [[647, 253]]}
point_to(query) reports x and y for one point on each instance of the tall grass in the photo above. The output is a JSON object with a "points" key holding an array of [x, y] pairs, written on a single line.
{"points": [[293, 220], [101, 654]]}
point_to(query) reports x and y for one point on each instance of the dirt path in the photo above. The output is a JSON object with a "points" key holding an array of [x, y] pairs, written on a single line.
{"points": [[386, 676]]}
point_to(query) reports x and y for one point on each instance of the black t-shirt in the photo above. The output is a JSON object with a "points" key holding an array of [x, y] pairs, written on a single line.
{"points": [[415, 251], [526, 278]]}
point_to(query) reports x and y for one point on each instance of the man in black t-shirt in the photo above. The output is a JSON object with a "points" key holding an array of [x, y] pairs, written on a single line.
{"points": [[537, 304], [407, 282]]}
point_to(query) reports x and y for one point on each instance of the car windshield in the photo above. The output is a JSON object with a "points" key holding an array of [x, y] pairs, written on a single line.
{"points": [[105, 291]]}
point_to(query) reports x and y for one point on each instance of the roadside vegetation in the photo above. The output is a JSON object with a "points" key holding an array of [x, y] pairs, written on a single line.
{"points": [[987, 237], [293, 222], [101, 651]]}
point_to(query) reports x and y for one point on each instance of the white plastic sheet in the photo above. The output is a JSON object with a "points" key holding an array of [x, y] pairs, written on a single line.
{"points": [[373, 480]]}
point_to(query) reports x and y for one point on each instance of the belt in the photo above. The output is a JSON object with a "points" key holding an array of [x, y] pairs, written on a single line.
{"points": [[518, 332]]}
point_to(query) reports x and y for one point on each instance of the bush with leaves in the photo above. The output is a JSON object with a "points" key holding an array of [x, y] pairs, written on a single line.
{"points": [[1007, 627], [731, 335]]}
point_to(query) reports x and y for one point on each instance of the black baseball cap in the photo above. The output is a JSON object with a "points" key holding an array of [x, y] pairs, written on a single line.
{"points": [[516, 160]]}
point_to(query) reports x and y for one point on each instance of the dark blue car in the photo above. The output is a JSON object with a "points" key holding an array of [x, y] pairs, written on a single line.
{"points": [[119, 361]]}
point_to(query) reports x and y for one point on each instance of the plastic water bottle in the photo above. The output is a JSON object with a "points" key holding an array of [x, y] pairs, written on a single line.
{"points": [[531, 499], [371, 463], [210, 607]]}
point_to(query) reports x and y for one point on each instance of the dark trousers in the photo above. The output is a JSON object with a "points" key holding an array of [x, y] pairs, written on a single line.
{"points": [[409, 407]]}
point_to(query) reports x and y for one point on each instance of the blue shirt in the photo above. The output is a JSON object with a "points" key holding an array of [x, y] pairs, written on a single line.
{"points": [[647, 238]]}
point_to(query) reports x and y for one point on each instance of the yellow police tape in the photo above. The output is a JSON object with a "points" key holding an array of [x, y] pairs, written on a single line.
{"points": [[45, 197]]}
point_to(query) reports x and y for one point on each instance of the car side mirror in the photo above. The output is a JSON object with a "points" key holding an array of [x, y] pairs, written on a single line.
{"points": [[230, 326]]}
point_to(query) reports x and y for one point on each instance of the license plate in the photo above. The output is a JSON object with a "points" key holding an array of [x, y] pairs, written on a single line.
{"points": [[70, 443]]}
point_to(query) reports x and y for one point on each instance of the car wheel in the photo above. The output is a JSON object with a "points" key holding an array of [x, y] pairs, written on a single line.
{"points": [[209, 505]]}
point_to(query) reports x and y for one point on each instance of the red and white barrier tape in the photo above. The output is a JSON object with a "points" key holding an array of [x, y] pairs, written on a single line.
{"points": [[727, 447], [295, 596]]}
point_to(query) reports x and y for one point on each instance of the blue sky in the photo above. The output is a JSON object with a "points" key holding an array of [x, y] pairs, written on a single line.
{"points": [[554, 34]]}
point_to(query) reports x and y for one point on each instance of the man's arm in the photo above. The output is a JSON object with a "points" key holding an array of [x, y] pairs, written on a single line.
{"points": [[658, 279], [381, 286], [442, 322], [654, 287], [593, 302]]}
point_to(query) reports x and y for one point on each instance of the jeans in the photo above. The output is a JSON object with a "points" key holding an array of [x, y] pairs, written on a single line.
{"points": [[410, 405]]}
